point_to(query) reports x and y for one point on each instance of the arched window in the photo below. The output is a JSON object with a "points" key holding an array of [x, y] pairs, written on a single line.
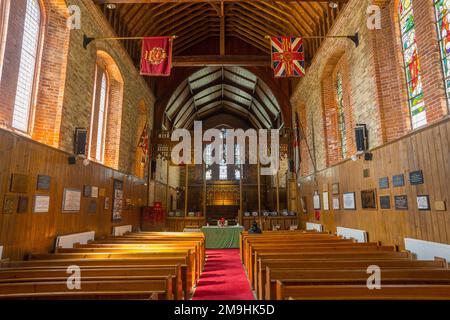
{"points": [[341, 115], [4, 11], [27, 67], [412, 64], [442, 8], [99, 115]]}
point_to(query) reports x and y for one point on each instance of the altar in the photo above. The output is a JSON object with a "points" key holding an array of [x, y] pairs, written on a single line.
{"points": [[222, 237]]}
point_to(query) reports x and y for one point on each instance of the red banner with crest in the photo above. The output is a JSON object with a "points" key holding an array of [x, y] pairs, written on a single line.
{"points": [[156, 57]]}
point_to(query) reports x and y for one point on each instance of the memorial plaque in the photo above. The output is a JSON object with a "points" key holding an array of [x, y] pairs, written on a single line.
{"points": [[326, 205], [94, 192], [9, 204], [366, 173], [368, 199], [41, 204], [335, 188], [316, 201], [423, 203], [93, 206], [101, 192], [401, 202], [19, 183], [384, 183], [349, 201], [43, 182], [106, 203], [416, 177], [23, 205], [385, 202], [87, 191], [336, 204], [71, 200], [398, 180]]}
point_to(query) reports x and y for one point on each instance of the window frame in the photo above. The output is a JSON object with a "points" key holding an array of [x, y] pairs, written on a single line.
{"points": [[405, 64], [37, 67], [95, 114], [446, 79]]}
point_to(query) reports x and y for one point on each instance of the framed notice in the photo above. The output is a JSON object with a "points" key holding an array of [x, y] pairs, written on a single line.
{"points": [[335, 188], [401, 202], [19, 183], [416, 177], [117, 201], [336, 204], [9, 204], [43, 182], [23, 205], [423, 203], [94, 192], [398, 180], [41, 204], [92, 206], [385, 202], [349, 201], [383, 183], [316, 201], [71, 200], [106, 203], [325, 200], [87, 191], [368, 199]]}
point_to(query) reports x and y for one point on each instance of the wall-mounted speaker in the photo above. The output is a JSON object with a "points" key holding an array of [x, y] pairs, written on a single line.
{"points": [[368, 156], [80, 141], [72, 160], [361, 139]]}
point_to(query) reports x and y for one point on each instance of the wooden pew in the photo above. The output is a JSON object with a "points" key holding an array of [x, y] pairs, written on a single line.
{"points": [[361, 292], [161, 285], [292, 277], [186, 275], [189, 260], [34, 275], [306, 265], [347, 253], [87, 295]]}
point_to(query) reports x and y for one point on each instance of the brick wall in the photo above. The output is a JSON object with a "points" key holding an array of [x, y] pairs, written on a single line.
{"points": [[65, 82], [374, 80]]}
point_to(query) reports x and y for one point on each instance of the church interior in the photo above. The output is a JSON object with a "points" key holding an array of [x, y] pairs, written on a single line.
{"points": [[342, 110]]}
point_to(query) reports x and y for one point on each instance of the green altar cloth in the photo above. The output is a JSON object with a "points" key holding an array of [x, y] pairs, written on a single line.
{"points": [[222, 238]]}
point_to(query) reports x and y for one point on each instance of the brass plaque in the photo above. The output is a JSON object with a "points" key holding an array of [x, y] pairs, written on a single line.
{"points": [[101, 192], [440, 206], [19, 183]]}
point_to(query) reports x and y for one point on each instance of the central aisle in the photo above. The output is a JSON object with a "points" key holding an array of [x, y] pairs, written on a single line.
{"points": [[224, 277]]}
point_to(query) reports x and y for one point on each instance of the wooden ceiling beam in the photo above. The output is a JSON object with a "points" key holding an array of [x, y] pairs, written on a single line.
{"points": [[217, 60]]}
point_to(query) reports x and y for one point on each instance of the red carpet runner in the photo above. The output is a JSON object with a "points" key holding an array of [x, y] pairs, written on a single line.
{"points": [[223, 278]]}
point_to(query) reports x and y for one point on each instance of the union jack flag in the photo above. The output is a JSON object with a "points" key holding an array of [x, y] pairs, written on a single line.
{"points": [[288, 57]]}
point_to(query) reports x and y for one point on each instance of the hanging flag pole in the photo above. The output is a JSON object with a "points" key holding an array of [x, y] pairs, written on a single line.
{"points": [[354, 38], [87, 40]]}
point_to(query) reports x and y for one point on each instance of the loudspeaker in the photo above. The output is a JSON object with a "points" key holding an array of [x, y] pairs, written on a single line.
{"points": [[80, 141], [72, 160], [368, 156], [361, 138]]}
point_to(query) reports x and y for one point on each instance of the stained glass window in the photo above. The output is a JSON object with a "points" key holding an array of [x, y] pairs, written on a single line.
{"points": [[443, 25], [341, 115], [412, 64]]}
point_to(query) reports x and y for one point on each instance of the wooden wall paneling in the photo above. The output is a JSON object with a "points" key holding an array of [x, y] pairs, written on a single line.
{"points": [[35, 232], [428, 150]]}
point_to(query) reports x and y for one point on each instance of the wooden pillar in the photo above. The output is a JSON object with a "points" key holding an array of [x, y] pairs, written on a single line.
{"points": [[277, 178], [222, 29], [258, 166], [204, 190], [167, 186], [241, 203], [186, 183]]}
